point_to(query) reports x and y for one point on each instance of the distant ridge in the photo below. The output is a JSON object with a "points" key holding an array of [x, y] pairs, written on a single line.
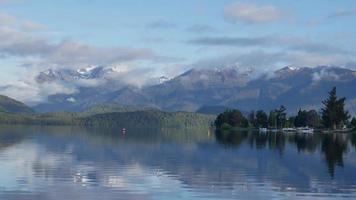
{"points": [[212, 110], [10, 105]]}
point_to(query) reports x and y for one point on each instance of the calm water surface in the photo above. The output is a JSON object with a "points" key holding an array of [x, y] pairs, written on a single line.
{"points": [[150, 163]]}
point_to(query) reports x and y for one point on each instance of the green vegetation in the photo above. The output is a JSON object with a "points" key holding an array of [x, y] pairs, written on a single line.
{"points": [[103, 115], [353, 124], [112, 115], [261, 119], [147, 118], [39, 119], [307, 118], [281, 117], [333, 116], [231, 118], [111, 119]]}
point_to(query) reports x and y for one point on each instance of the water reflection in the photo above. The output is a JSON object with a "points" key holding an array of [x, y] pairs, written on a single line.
{"points": [[158, 163], [332, 146]]}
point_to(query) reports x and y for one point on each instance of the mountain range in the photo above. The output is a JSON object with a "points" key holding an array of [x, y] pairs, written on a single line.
{"points": [[294, 87]]}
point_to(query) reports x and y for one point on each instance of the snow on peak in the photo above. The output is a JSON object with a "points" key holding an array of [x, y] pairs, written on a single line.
{"points": [[86, 70], [47, 72], [117, 69], [293, 68], [71, 99], [163, 79]]}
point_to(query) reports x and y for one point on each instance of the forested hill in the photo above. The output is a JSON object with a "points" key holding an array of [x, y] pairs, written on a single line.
{"points": [[9, 105], [148, 118], [112, 119]]}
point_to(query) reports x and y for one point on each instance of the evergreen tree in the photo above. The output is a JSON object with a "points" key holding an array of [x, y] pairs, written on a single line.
{"points": [[333, 113], [252, 119], [300, 119], [281, 116], [313, 119], [353, 123], [272, 119], [290, 122], [261, 119], [307, 118]]}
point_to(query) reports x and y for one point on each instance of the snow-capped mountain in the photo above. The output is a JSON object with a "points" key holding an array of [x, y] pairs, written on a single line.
{"points": [[90, 72], [295, 87]]}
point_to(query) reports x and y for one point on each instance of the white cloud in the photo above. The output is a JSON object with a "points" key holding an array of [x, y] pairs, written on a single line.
{"points": [[162, 24], [6, 19], [11, 22], [325, 74], [263, 61], [20, 40], [291, 44], [251, 13], [33, 93], [21, 44], [201, 28], [342, 13], [32, 26]]}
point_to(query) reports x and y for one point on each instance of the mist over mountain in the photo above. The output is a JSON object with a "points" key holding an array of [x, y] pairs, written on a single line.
{"points": [[293, 87]]}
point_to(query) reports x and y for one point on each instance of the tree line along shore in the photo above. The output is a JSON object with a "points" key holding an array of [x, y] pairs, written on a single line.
{"points": [[332, 116]]}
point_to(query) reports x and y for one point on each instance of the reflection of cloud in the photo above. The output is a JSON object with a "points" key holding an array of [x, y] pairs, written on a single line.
{"points": [[115, 182], [59, 164]]}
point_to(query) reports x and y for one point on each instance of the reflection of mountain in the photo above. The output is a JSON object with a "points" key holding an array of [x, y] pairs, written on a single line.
{"points": [[216, 88], [10, 136], [148, 160]]}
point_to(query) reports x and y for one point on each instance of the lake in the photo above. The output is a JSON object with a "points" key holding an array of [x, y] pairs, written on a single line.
{"points": [[156, 163]]}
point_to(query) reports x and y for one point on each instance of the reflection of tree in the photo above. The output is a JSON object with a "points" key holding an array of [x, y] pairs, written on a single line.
{"points": [[255, 140], [183, 155], [258, 140], [305, 142], [9, 136], [333, 146], [353, 139], [231, 138], [277, 142], [274, 141]]}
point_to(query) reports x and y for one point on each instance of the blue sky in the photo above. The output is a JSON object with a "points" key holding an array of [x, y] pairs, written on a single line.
{"points": [[169, 37]]}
